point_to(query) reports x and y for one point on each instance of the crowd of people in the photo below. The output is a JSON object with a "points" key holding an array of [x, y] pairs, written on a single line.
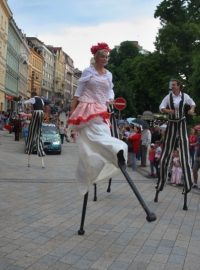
{"points": [[18, 124], [152, 140], [89, 118]]}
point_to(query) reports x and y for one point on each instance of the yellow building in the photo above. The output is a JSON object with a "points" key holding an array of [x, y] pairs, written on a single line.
{"points": [[59, 75], [35, 70], [5, 15]]}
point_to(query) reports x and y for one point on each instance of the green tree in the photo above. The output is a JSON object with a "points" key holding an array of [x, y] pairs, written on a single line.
{"points": [[178, 36], [144, 79]]}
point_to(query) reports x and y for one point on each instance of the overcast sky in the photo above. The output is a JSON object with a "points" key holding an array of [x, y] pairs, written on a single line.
{"points": [[76, 25]]}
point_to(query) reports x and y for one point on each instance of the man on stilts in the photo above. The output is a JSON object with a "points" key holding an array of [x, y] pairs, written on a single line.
{"points": [[35, 132], [174, 105]]}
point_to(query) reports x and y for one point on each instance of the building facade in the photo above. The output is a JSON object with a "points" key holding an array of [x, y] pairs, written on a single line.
{"points": [[12, 66], [69, 73], [5, 15], [59, 75], [48, 68], [23, 68], [36, 62]]}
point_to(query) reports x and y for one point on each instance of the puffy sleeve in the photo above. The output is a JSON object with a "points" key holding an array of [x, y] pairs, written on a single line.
{"points": [[111, 94], [86, 75], [164, 103], [189, 100]]}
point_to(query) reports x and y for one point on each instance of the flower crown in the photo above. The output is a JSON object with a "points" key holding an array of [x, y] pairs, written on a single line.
{"points": [[99, 46]]}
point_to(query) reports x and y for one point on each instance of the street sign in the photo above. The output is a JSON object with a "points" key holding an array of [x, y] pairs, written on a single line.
{"points": [[120, 103]]}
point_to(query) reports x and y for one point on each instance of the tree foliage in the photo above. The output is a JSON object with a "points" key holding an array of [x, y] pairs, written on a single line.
{"points": [[143, 79]]}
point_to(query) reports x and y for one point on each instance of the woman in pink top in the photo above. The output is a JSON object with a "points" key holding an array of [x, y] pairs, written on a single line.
{"points": [[97, 149]]}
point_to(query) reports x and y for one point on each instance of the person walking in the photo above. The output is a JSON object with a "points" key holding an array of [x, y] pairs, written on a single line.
{"points": [[134, 138], [173, 104], [35, 127], [145, 143], [98, 150], [17, 127], [62, 131]]}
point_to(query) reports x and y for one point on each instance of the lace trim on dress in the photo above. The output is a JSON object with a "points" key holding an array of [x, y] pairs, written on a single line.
{"points": [[80, 119]]}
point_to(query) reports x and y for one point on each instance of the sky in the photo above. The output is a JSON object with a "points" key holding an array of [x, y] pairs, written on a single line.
{"points": [[76, 25]]}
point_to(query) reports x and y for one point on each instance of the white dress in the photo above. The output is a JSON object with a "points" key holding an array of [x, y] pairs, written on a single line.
{"points": [[97, 148]]}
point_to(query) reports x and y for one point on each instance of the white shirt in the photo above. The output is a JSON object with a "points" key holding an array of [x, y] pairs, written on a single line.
{"points": [[176, 100], [95, 87], [32, 101], [146, 137]]}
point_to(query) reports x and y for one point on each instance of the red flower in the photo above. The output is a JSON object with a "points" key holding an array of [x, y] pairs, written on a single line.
{"points": [[99, 46]]}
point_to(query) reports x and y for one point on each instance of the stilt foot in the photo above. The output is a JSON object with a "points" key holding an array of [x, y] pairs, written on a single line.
{"points": [[43, 166], [185, 207], [185, 202], [109, 185], [151, 217], [95, 192], [81, 232], [156, 197], [121, 159], [29, 163]]}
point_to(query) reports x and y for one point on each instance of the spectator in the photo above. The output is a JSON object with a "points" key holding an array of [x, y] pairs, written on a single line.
{"points": [[135, 138], [158, 152], [17, 127], [151, 159], [196, 165], [176, 169], [192, 142], [145, 143], [156, 134], [62, 131]]}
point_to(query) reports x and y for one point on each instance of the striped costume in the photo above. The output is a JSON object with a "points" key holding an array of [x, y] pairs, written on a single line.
{"points": [[35, 132], [176, 132]]}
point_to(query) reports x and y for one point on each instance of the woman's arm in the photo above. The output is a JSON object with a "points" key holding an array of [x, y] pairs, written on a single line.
{"points": [[74, 104]]}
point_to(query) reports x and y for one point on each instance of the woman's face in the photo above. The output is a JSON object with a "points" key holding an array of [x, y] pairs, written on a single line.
{"points": [[101, 58]]}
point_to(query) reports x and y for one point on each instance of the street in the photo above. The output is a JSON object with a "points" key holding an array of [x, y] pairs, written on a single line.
{"points": [[40, 214]]}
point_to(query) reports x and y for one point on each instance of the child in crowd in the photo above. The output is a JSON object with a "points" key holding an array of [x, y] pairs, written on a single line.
{"points": [[158, 152], [176, 169], [151, 159]]}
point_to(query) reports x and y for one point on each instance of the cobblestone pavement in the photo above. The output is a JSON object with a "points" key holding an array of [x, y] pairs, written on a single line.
{"points": [[40, 211]]}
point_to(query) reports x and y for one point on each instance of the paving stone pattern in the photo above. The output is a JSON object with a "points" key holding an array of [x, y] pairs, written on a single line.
{"points": [[40, 212]]}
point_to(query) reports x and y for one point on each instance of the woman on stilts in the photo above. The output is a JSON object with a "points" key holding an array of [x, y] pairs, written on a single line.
{"points": [[101, 156], [89, 116]]}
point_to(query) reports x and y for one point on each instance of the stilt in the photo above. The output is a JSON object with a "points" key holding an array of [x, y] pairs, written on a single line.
{"points": [[109, 185], [121, 162], [29, 161], [81, 230], [43, 166], [156, 196], [185, 202], [95, 192]]}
